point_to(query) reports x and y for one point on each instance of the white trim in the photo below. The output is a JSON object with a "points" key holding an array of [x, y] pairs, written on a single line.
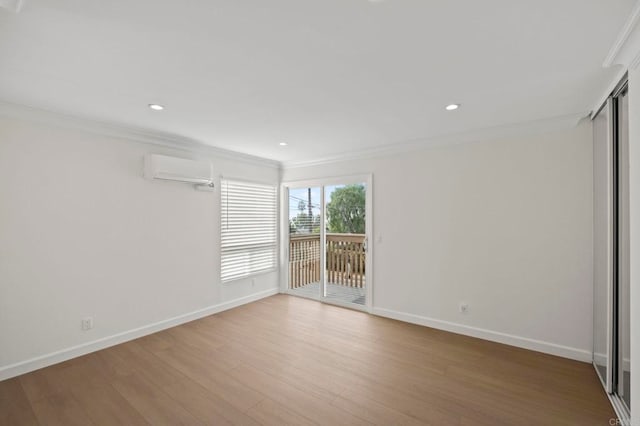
{"points": [[284, 239], [610, 88], [42, 361], [477, 135], [610, 265], [331, 180], [168, 140], [493, 336], [327, 301], [627, 43], [245, 180], [134, 134], [370, 269], [621, 410], [323, 243]]}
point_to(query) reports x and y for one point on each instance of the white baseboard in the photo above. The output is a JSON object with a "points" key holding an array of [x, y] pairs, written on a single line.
{"points": [[22, 367], [494, 336]]}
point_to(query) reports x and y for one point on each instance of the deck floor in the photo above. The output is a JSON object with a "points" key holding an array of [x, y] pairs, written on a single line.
{"points": [[335, 292]]}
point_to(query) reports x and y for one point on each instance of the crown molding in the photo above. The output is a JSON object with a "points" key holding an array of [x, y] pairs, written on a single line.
{"points": [[610, 88], [134, 134], [168, 140], [528, 128], [625, 50]]}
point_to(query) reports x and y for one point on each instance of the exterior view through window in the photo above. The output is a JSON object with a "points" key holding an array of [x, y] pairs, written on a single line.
{"points": [[327, 243]]}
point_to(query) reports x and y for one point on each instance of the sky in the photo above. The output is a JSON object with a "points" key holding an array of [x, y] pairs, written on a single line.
{"points": [[298, 194]]}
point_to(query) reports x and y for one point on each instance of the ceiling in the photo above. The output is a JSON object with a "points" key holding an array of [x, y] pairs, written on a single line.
{"points": [[324, 76]]}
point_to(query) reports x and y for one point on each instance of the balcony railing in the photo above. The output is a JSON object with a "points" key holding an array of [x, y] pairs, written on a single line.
{"points": [[304, 260], [345, 260]]}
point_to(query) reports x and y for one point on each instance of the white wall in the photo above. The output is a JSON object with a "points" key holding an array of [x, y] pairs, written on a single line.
{"points": [[83, 234], [503, 225]]}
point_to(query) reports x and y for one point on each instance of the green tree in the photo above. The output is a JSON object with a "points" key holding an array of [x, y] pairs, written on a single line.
{"points": [[346, 210]]}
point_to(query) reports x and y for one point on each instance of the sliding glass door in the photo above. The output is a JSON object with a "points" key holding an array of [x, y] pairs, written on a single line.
{"points": [[345, 243], [327, 250], [611, 309], [305, 261], [623, 308], [602, 256]]}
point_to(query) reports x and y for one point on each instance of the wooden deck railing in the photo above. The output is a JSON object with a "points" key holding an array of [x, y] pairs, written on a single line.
{"points": [[345, 260], [304, 260]]}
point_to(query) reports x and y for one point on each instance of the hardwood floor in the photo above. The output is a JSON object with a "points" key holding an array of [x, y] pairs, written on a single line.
{"points": [[286, 360]]}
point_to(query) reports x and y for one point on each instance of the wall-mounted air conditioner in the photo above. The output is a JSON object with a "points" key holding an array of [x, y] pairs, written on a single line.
{"points": [[198, 172]]}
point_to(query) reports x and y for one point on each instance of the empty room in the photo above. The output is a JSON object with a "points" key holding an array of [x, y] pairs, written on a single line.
{"points": [[335, 212]]}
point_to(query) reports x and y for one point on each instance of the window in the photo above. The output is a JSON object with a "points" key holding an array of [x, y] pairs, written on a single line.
{"points": [[249, 229]]}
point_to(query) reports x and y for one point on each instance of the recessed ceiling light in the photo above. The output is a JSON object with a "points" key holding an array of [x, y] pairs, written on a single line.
{"points": [[156, 107], [283, 144], [452, 107]]}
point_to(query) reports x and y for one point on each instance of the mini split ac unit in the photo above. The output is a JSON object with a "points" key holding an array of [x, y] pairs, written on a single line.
{"points": [[198, 172]]}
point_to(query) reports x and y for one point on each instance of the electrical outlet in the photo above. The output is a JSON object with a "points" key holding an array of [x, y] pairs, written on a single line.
{"points": [[87, 323], [253, 282], [464, 308]]}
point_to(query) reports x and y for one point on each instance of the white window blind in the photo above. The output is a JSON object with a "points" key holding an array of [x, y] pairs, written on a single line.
{"points": [[249, 228]]}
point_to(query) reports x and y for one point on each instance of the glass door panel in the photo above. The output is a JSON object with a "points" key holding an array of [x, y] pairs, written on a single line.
{"points": [[305, 212], [602, 273], [345, 243], [611, 219], [623, 282]]}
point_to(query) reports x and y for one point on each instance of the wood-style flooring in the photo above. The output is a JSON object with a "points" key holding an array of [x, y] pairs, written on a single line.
{"points": [[287, 360]]}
